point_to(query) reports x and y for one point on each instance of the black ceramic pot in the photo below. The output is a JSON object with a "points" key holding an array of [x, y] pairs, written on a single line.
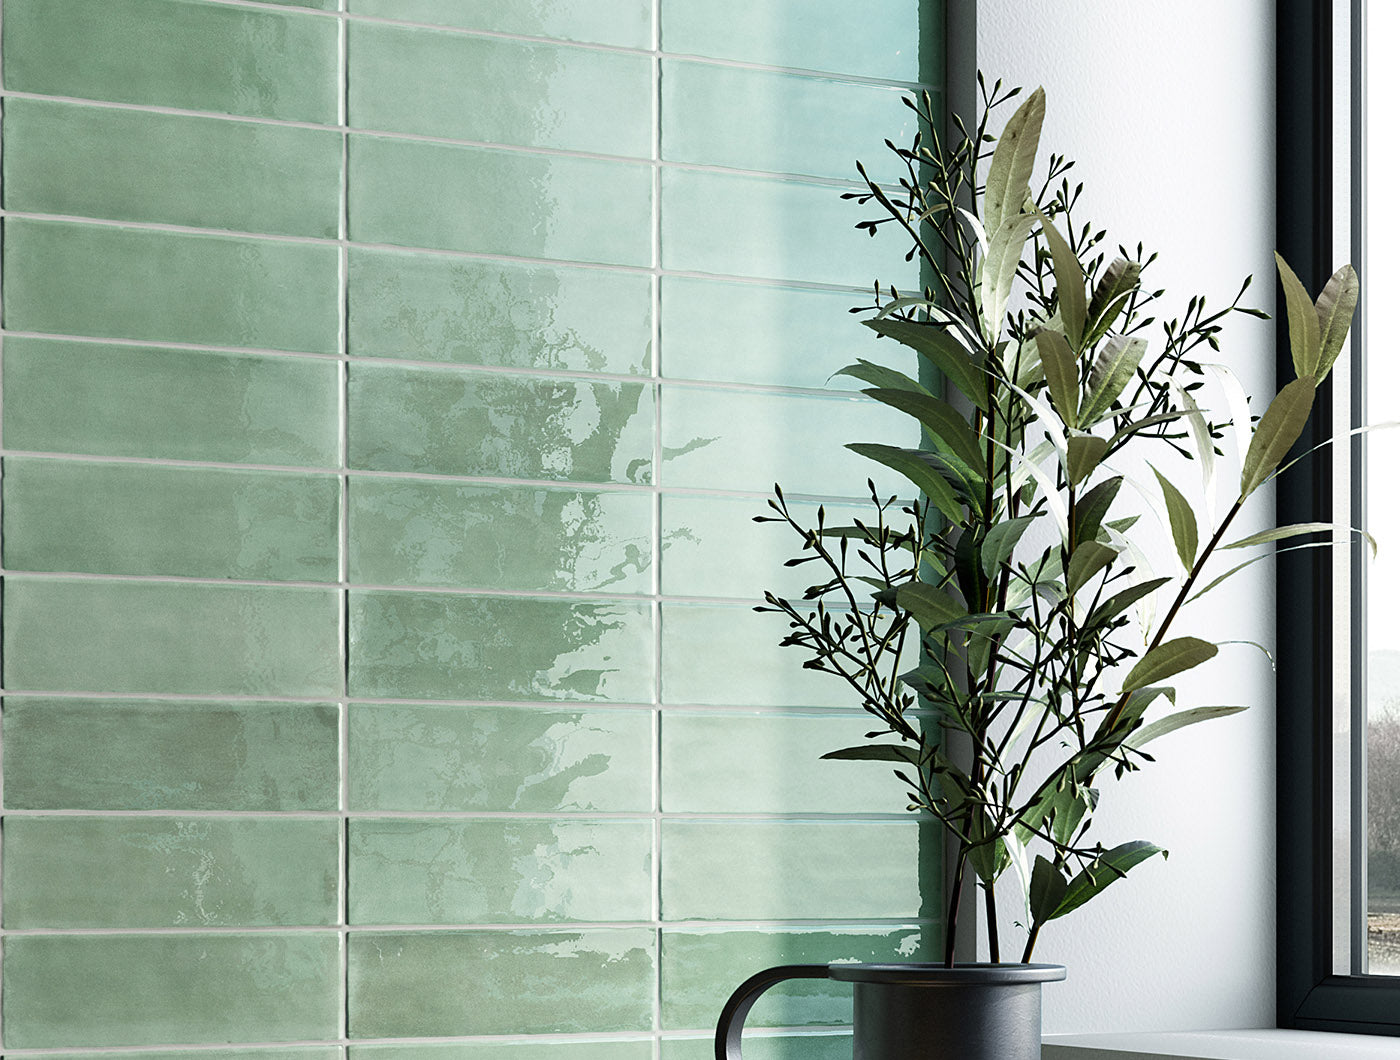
{"points": [[919, 1011]]}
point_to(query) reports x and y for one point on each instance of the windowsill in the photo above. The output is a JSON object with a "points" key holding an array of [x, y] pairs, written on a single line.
{"points": [[1221, 1045]]}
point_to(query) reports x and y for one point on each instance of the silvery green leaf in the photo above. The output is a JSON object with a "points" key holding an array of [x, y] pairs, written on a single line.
{"points": [[1183, 521], [1112, 372], [943, 349], [1167, 660], [998, 270], [1109, 867], [1009, 175], [1172, 722], [1061, 374], [1283, 421], [1237, 402], [1084, 451], [1069, 281], [1205, 446], [1335, 307], [1304, 329], [880, 376], [1279, 533], [1086, 561]]}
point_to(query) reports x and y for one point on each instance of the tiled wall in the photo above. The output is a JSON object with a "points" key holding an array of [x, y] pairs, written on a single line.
{"points": [[387, 392]]}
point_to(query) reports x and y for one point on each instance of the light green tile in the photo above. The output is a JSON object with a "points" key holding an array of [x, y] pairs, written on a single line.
{"points": [[446, 197], [316, 5], [521, 982], [126, 754], [126, 283], [435, 307], [81, 991], [459, 422], [137, 519], [151, 872], [405, 532], [623, 22], [517, 93], [738, 225], [719, 762], [173, 53], [536, 1049], [426, 871], [791, 870], [728, 655], [128, 636], [780, 123], [327, 1052], [883, 38], [758, 333], [701, 968], [735, 439], [428, 758], [758, 1046], [456, 646], [203, 172], [78, 397]]}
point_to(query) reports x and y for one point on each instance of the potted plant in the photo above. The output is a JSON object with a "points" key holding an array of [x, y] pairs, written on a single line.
{"points": [[1010, 638]]}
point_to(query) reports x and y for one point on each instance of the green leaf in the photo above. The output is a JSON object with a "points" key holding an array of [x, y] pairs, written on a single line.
{"points": [[943, 423], [1172, 722], [1282, 423], [1111, 294], [876, 752], [931, 606], [1280, 533], [911, 463], [1084, 452], [1335, 307], [1069, 282], [1048, 890], [1108, 867], [1009, 175], [880, 376], [1112, 372], [1061, 374], [1169, 659], [1093, 506], [1183, 521], [1001, 540], [1122, 600], [999, 269], [1086, 561], [1142, 425], [947, 354], [1304, 329]]}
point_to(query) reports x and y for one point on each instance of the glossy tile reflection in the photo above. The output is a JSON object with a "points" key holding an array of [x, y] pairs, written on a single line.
{"points": [[548, 1049], [626, 23]]}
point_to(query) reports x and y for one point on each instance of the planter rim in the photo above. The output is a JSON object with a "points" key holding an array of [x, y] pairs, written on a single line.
{"points": [[921, 973]]}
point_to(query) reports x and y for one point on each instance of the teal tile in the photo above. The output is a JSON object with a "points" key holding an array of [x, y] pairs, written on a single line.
{"points": [[626, 23], [527, 759], [459, 422], [406, 532], [547, 1049], [754, 672], [731, 332], [884, 38], [817, 1045], [314, 1052], [129, 754], [456, 646], [202, 172], [127, 283], [436, 307], [128, 636], [315, 5], [151, 872], [517, 93], [406, 985], [137, 519], [79, 397], [487, 201], [748, 440], [738, 225], [701, 968], [858, 870], [83, 991], [212, 57], [719, 762], [780, 123], [427, 871]]}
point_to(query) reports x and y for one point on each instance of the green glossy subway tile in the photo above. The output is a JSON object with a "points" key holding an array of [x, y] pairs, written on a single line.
{"points": [[126, 754], [137, 519], [312, 1052], [499, 202], [884, 39], [406, 532], [701, 968], [83, 991], [214, 57], [128, 283], [728, 655], [714, 762], [434, 307], [556, 1049], [757, 333], [316, 5], [735, 439], [780, 123], [792, 870], [203, 172], [622, 22], [517, 93], [455, 646], [441, 984], [152, 872], [426, 871], [810, 1046], [459, 422], [78, 397], [128, 636], [527, 759], [738, 225]]}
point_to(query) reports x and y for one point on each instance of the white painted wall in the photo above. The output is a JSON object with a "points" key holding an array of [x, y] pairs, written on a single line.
{"points": [[1168, 107]]}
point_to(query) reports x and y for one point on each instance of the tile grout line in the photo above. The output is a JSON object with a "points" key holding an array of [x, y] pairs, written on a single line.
{"points": [[343, 406], [657, 480], [4, 468]]}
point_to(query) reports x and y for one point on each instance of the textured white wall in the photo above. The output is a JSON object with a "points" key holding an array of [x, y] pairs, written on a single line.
{"points": [[1168, 107]]}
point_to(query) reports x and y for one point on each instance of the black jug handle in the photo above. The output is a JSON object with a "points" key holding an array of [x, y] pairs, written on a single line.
{"points": [[731, 1020]]}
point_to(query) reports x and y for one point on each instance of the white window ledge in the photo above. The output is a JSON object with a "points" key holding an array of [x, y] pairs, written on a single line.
{"points": [[1221, 1045]]}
